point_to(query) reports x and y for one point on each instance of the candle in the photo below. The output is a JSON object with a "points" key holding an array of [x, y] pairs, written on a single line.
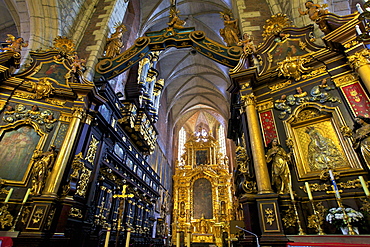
{"points": [[308, 191], [331, 174], [359, 9], [9, 195], [358, 30], [291, 192], [364, 186], [26, 196], [335, 188]]}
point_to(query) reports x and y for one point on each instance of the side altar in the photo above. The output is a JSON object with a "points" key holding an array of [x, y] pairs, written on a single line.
{"points": [[203, 206]]}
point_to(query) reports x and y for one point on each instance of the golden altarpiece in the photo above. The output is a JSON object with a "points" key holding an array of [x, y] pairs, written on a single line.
{"points": [[203, 194]]}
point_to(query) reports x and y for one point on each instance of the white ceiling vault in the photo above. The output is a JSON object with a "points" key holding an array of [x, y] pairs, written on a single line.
{"points": [[195, 86]]}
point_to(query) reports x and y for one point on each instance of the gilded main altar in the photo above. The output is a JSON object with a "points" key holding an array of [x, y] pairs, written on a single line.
{"points": [[202, 192]]}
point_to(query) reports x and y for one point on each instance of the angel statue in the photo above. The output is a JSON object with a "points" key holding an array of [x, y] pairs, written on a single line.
{"points": [[14, 44], [230, 32], [175, 21], [313, 10], [114, 43]]}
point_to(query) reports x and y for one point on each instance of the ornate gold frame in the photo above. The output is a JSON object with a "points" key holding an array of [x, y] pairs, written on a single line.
{"points": [[328, 120], [39, 146]]}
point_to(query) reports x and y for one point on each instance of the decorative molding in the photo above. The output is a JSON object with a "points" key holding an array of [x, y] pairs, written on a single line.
{"points": [[269, 216], [276, 87], [359, 59], [345, 80]]}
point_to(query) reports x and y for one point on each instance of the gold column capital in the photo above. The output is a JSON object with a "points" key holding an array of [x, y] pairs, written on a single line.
{"points": [[78, 112], [359, 59], [249, 99]]}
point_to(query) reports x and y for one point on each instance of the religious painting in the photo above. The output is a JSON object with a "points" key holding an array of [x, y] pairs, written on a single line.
{"points": [[201, 157], [318, 143], [202, 199], [54, 71], [16, 150], [284, 49]]}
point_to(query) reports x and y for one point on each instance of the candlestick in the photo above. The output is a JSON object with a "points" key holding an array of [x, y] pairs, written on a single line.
{"points": [[317, 219], [107, 237], [26, 196], [308, 191], [9, 195], [364, 186]]}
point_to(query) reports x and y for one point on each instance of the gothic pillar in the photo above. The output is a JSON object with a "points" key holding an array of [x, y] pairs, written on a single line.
{"points": [[56, 175], [256, 142], [360, 62]]}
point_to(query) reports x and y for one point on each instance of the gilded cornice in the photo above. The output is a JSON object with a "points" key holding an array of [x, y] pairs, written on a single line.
{"points": [[359, 59], [345, 80], [265, 106]]}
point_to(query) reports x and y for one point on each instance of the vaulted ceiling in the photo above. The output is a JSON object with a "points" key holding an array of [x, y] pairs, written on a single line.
{"points": [[195, 86]]}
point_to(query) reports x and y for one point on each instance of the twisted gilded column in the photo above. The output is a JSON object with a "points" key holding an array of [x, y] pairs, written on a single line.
{"points": [[360, 62], [56, 175], [259, 160]]}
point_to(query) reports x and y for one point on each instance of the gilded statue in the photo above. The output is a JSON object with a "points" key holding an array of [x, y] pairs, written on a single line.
{"points": [[361, 137], [322, 151], [203, 225], [78, 64], [279, 160], [43, 162], [14, 44], [230, 32], [313, 10], [114, 43], [247, 43], [175, 21]]}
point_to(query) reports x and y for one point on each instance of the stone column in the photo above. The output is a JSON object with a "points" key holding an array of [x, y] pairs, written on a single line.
{"points": [[360, 62], [56, 175], [256, 141]]}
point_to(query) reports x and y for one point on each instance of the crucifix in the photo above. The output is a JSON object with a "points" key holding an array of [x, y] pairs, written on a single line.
{"points": [[121, 208]]}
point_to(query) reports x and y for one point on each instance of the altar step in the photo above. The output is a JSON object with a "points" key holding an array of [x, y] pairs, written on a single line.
{"points": [[328, 240]]}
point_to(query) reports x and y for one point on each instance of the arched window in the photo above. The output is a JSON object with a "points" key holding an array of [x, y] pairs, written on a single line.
{"points": [[182, 140], [221, 139]]}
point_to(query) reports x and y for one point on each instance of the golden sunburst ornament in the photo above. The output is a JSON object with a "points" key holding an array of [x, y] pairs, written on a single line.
{"points": [[275, 24], [64, 46]]}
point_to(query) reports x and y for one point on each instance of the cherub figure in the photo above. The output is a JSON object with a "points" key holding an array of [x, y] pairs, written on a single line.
{"points": [[247, 43], [114, 43], [230, 32], [313, 10], [15, 44], [78, 64]]}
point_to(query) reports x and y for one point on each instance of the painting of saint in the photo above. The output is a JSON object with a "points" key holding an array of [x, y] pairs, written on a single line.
{"points": [[53, 70], [16, 150], [202, 199], [201, 157], [286, 49]]}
